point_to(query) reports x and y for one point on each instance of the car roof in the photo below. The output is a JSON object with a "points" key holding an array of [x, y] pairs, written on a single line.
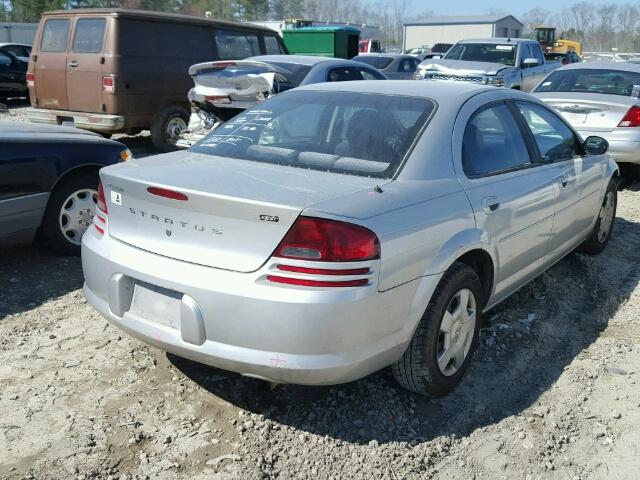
{"points": [[12, 128], [501, 41], [603, 65], [441, 92], [308, 60]]}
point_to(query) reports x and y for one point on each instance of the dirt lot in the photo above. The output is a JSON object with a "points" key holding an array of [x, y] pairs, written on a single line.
{"points": [[553, 392]]}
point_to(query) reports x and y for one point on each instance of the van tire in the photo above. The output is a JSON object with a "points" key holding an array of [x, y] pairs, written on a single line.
{"points": [[418, 369], [166, 125]]}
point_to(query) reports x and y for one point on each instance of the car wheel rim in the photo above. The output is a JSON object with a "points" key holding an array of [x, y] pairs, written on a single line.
{"points": [[174, 129], [606, 217], [457, 329], [77, 214]]}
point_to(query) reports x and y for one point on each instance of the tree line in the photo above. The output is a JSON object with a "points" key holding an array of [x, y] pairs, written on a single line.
{"points": [[599, 26]]}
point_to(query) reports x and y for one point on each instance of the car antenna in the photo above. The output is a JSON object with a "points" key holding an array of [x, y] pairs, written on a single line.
{"points": [[377, 189]]}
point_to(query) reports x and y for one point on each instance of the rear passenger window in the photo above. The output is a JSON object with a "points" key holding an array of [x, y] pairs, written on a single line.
{"points": [[236, 45], [272, 46], [370, 75], [89, 35], [554, 139], [54, 35], [493, 142], [344, 74]]}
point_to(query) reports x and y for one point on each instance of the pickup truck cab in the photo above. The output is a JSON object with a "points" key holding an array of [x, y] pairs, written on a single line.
{"points": [[503, 62]]}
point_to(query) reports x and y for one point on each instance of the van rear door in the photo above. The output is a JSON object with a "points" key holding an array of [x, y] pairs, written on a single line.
{"points": [[85, 65], [50, 66]]}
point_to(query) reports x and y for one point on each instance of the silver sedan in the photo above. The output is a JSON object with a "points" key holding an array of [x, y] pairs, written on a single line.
{"points": [[337, 229], [600, 98]]}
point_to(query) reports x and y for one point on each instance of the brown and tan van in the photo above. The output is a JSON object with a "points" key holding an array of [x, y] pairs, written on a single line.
{"points": [[115, 70]]}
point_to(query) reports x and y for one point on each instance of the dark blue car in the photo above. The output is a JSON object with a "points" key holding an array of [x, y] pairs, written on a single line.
{"points": [[14, 59], [49, 182]]}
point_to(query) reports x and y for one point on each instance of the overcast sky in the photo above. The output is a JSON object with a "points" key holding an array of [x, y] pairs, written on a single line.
{"points": [[473, 7]]}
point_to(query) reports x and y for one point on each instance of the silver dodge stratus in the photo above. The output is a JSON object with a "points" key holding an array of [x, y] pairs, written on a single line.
{"points": [[337, 229]]}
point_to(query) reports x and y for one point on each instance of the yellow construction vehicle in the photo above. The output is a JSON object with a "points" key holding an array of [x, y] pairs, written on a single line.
{"points": [[547, 38]]}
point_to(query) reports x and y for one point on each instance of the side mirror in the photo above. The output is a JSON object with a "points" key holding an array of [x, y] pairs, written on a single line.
{"points": [[530, 62], [596, 145]]}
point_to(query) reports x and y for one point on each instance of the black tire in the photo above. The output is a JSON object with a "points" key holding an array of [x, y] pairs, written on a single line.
{"points": [[50, 231], [596, 242], [159, 129], [628, 174], [418, 368]]}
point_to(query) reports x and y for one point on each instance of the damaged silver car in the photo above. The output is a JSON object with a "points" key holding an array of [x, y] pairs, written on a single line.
{"points": [[224, 89]]}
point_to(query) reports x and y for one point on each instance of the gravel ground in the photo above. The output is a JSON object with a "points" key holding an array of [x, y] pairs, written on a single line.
{"points": [[552, 393]]}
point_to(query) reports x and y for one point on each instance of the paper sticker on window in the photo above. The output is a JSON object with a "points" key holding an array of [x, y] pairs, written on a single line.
{"points": [[506, 48], [546, 84], [116, 198]]}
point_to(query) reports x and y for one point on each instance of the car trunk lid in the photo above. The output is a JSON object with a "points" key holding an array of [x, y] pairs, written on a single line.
{"points": [[235, 212], [595, 113]]}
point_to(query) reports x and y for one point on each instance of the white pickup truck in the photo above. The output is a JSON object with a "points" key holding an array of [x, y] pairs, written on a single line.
{"points": [[502, 62]]}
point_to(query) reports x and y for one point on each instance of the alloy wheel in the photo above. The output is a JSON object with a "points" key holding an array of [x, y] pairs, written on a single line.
{"points": [[606, 215], [457, 329], [76, 214]]}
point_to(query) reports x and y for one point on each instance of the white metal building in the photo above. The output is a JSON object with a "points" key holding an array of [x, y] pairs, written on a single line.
{"points": [[18, 32], [453, 29]]}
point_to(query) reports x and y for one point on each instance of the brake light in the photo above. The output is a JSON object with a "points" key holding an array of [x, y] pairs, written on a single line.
{"points": [[632, 118], [31, 79], [100, 218], [223, 64], [217, 99], [317, 283], [108, 84], [324, 240], [166, 193]]}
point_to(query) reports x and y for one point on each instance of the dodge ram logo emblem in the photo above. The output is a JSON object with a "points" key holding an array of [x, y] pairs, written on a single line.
{"points": [[168, 232]]}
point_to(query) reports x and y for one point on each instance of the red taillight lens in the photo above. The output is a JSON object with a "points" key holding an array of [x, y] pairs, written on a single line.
{"points": [[102, 202], [217, 99], [166, 193], [317, 283], [328, 241], [223, 64], [632, 118], [324, 271], [31, 79], [108, 84]]}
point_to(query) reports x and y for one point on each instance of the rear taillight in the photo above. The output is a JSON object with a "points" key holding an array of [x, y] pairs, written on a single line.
{"points": [[223, 64], [321, 240], [217, 98], [324, 240], [100, 219], [108, 84], [632, 118], [31, 79]]}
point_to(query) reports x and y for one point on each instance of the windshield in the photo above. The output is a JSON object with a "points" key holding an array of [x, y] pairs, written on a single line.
{"points": [[483, 52], [344, 132], [609, 82], [377, 62], [441, 47]]}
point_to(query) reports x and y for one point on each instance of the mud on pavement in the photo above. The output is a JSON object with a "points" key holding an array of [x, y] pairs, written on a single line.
{"points": [[552, 392]]}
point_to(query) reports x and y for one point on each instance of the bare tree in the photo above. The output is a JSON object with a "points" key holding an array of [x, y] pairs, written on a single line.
{"points": [[536, 17]]}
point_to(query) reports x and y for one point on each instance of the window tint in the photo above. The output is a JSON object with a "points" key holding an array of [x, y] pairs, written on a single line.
{"points": [[19, 51], [54, 36], [493, 142], [554, 139], [5, 60], [272, 46], [347, 74], [370, 74], [89, 35], [609, 82], [344, 132], [236, 45], [374, 60]]}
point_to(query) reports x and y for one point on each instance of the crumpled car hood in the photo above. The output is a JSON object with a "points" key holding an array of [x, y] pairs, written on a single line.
{"points": [[462, 67]]}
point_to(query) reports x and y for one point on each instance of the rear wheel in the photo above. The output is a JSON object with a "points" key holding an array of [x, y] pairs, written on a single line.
{"points": [[601, 233], [168, 126], [69, 213], [443, 343], [629, 173]]}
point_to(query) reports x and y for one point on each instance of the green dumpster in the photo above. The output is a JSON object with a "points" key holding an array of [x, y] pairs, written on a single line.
{"points": [[339, 42]]}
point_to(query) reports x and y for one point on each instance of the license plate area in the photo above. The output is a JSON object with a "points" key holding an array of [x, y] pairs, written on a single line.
{"points": [[156, 304]]}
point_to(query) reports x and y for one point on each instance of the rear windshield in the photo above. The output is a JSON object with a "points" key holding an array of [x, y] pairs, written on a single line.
{"points": [[54, 35], [273, 46], [236, 45], [89, 35], [483, 52], [344, 132], [609, 82], [374, 61]]}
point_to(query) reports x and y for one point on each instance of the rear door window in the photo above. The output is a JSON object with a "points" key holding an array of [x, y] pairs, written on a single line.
{"points": [[89, 35], [54, 35], [236, 45], [493, 142], [272, 46], [5, 60], [347, 74]]}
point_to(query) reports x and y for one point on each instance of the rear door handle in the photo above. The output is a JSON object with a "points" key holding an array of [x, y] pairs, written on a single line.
{"points": [[73, 63], [490, 205]]}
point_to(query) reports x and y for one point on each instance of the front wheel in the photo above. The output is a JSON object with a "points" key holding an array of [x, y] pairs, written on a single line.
{"points": [[70, 211], [601, 233], [442, 345]]}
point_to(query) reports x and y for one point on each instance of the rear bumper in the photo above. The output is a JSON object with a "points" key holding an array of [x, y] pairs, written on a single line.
{"points": [[239, 322], [99, 122]]}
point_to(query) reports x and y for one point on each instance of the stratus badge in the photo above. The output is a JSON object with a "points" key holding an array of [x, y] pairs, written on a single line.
{"points": [[269, 218]]}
